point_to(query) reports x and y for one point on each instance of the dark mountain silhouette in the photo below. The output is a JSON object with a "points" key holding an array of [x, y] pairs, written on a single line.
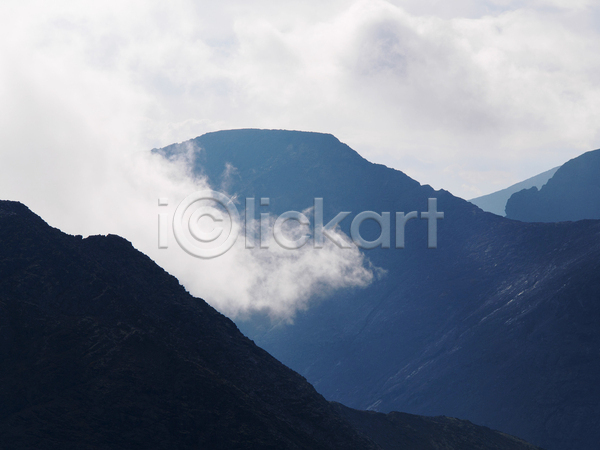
{"points": [[498, 325], [573, 193], [496, 201], [397, 431], [102, 349]]}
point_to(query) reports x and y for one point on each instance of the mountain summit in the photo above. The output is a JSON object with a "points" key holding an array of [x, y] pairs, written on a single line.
{"points": [[498, 325]]}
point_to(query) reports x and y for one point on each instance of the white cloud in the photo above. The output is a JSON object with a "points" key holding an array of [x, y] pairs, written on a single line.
{"points": [[273, 280], [276, 281]]}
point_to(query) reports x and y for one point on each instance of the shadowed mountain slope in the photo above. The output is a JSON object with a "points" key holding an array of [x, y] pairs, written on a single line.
{"points": [[573, 193], [101, 348], [498, 325], [398, 431]]}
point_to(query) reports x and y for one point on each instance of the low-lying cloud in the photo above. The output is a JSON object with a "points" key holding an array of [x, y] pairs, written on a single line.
{"points": [[277, 281]]}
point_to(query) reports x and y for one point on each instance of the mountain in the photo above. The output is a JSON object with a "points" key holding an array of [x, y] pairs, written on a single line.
{"points": [[396, 431], [102, 349], [496, 201], [573, 193], [498, 325]]}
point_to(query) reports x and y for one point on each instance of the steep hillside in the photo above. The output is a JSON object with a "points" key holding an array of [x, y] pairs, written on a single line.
{"points": [[101, 349]]}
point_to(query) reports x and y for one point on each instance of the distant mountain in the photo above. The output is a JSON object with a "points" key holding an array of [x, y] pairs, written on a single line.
{"points": [[496, 201], [573, 193], [102, 349], [498, 325]]}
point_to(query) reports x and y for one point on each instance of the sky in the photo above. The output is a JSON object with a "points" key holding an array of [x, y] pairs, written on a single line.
{"points": [[468, 96]]}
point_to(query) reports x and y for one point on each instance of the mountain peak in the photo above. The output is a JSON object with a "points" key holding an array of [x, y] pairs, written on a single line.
{"points": [[571, 194]]}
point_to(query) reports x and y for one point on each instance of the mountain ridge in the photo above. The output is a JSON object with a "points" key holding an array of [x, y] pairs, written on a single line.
{"points": [[572, 194], [448, 330], [496, 201]]}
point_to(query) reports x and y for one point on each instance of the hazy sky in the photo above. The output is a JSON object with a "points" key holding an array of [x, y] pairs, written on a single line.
{"points": [[465, 95], [469, 96]]}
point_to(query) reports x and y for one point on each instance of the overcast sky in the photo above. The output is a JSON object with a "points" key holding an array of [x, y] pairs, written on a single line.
{"points": [[469, 96]]}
